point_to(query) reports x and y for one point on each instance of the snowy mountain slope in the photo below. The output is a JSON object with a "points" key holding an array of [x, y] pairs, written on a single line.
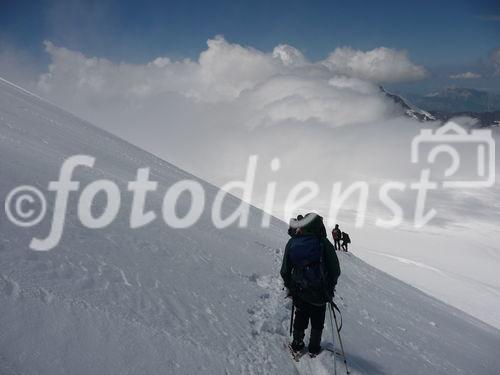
{"points": [[118, 300], [397, 329], [161, 301], [409, 109]]}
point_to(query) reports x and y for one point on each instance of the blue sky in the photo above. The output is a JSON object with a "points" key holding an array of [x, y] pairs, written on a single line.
{"points": [[445, 36]]}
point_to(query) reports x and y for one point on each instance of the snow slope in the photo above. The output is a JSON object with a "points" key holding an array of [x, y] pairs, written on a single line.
{"points": [[161, 301], [459, 266]]}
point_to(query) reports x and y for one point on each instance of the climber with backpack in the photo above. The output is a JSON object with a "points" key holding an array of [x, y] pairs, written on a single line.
{"points": [[310, 270], [346, 240], [336, 235]]}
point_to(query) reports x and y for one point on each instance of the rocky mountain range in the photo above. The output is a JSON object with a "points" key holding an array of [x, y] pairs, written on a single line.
{"points": [[448, 103]]}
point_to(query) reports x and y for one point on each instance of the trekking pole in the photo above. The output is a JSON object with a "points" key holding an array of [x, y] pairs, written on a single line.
{"points": [[291, 319], [333, 339], [332, 309]]}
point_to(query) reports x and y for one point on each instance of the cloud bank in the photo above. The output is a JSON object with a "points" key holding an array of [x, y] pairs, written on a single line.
{"points": [[278, 86], [378, 65]]}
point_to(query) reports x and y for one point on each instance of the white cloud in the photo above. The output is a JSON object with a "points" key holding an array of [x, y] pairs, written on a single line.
{"points": [[336, 101], [466, 75], [289, 55], [267, 87], [221, 73], [378, 65]]}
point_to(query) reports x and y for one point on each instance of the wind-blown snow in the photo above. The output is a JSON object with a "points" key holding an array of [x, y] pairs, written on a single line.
{"points": [[200, 300]]}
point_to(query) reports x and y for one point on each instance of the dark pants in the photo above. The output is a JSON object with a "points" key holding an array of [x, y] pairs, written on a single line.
{"points": [[305, 312], [344, 246], [336, 244]]}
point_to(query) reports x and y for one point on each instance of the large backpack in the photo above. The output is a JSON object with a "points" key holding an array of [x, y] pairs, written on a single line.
{"points": [[306, 257]]}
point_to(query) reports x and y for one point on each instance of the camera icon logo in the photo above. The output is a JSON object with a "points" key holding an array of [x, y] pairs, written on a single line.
{"points": [[478, 147]]}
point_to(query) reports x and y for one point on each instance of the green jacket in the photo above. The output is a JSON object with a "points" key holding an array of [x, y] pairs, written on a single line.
{"points": [[332, 273]]}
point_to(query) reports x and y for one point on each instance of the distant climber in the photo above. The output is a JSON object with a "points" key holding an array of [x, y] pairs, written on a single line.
{"points": [[346, 240], [336, 235], [310, 270]]}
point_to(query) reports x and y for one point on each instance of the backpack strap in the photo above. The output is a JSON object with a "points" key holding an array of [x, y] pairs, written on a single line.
{"points": [[322, 261]]}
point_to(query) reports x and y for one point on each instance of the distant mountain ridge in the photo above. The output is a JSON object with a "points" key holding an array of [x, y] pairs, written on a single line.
{"points": [[453, 99], [422, 108], [409, 109]]}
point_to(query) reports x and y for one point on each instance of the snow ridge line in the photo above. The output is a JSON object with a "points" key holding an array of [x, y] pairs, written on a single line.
{"points": [[3, 80]]}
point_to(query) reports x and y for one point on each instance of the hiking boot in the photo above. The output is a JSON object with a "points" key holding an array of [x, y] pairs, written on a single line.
{"points": [[315, 342], [314, 350], [297, 346]]}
